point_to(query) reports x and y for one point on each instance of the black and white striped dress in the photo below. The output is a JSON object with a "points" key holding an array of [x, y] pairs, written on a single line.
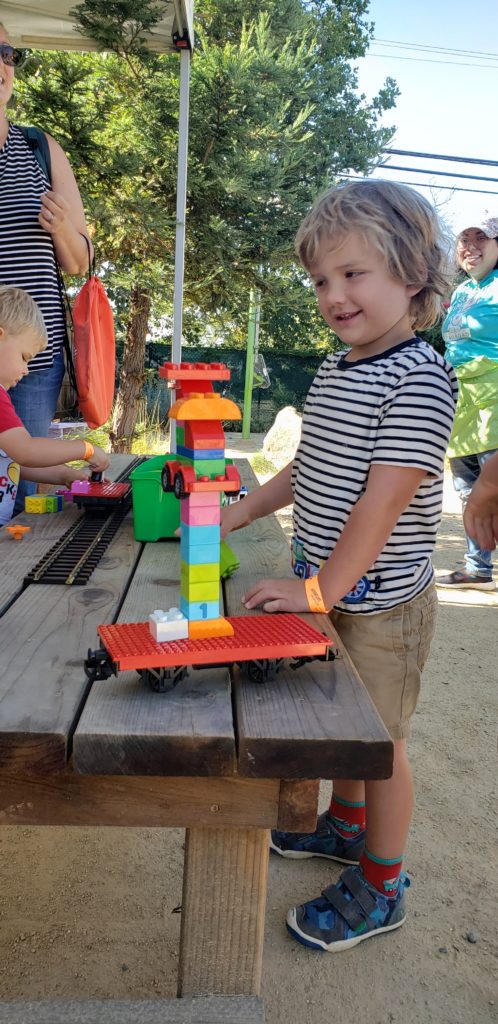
{"points": [[27, 258], [393, 409]]}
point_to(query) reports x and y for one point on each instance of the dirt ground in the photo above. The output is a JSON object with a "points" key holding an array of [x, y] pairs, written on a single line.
{"points": [[91, 912]]}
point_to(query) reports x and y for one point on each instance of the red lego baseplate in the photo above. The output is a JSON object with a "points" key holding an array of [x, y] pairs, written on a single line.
{"points": [[106, 491], [131, 645]]}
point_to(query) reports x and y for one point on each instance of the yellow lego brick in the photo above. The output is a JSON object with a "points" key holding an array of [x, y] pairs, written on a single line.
{"points": [[36, 503], [207, 590]]}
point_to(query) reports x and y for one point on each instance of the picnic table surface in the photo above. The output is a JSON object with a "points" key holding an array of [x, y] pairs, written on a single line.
{"points": [[220, 755]]}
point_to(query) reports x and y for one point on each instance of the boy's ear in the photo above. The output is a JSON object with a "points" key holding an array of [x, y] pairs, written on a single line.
{"points": [[414, 289], [2, 333]]}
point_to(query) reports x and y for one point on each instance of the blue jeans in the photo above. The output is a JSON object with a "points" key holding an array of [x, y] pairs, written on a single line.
{"points": [[35, 401], [465, 470]]}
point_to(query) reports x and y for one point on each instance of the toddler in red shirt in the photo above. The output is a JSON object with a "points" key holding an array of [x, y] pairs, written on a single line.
{"points": [[22, 336]]}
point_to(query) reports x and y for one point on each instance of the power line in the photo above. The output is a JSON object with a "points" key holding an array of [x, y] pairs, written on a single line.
{"points": [[438, 156], [421, 184], [442, 174], [428, 60], [438, 49]]}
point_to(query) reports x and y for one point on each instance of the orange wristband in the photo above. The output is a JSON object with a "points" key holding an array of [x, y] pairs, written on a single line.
{"points": [[314, 595], [89, 451]]}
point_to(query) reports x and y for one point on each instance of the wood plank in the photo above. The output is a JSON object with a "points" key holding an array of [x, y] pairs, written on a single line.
{"points": [[200, 1010], [298, 805], [18, 557], [73, 800], [315, 723], [44, 637], [127, 728], [224, 894]]}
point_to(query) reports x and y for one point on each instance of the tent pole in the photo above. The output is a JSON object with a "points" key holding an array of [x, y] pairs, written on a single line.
{"points": [[181, 199]]}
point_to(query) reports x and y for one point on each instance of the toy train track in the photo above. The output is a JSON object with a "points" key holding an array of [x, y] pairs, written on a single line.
{"points": [[259, 645], [72, 560]]}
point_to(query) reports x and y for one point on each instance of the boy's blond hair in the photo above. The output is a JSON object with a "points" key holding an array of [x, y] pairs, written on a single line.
{"points": [[402, 226], [20, 314]]}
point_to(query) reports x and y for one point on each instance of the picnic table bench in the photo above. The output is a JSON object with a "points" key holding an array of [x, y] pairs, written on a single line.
{"points": [[116, 753]]}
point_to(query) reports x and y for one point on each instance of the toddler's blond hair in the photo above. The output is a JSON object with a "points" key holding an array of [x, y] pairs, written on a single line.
{"points": [[19, 314]]}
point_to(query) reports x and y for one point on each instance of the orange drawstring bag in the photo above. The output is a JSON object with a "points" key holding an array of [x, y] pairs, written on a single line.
{"points": [[94, 347]]}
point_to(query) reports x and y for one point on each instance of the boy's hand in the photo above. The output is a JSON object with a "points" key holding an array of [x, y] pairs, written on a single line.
{"points": [[480, 517], [99, 460], [277, 596], [234, 517]]}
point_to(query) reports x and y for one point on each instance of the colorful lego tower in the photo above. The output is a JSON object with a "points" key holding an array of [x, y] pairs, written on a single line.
{"points": [[198, 476]]}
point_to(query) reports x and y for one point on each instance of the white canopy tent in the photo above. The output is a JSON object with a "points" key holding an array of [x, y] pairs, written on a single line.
{"points": [[47, 25]]}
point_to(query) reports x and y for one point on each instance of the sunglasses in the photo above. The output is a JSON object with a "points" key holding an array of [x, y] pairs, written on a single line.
{"points": [[10, 55]]}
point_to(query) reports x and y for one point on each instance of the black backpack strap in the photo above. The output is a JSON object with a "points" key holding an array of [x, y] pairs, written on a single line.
{"points": [[38, 144]]}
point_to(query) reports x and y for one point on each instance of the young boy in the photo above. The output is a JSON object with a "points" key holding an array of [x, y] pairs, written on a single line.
{"points": [[366, 483], [22, 335]]}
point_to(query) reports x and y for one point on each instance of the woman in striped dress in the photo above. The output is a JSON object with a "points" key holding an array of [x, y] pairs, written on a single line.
{"points": [[42, 224]]}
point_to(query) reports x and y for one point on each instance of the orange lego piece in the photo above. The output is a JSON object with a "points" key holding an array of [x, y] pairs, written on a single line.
{"points": [[204, 406], [17, 531], [204, 629]]}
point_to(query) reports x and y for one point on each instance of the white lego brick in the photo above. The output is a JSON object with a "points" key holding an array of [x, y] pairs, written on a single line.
{"points": [[170, 625]]}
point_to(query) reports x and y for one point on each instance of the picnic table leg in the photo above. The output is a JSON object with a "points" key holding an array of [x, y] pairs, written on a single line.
{"points": [[223, 915]]}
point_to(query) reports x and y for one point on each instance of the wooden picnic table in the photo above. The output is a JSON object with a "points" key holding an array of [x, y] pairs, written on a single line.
{"points": [[223, 757]]}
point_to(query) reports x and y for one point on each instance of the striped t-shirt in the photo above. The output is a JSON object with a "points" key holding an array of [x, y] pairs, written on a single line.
{"points": [[27, 258], [394, 409]]}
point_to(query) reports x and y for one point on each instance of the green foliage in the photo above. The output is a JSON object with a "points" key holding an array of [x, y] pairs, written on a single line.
{"points": [[275, 117]]}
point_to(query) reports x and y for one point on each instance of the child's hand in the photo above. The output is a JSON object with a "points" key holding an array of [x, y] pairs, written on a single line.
{"points": [[277, 596], [234, 517], [99, 460], [70, 474], [480, 517]]}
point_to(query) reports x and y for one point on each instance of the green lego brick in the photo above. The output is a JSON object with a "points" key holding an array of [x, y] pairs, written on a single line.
{"points": [[207, 591], [206, 573], [180, 436], [52, 503], [205, 467]]}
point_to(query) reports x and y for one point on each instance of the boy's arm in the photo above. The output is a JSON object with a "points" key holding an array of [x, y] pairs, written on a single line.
{"points": [[36, 452], [480, 517], [62, 476], [389, 491], [275, 493]]}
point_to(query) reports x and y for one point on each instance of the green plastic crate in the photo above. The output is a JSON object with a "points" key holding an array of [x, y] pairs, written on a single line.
{"points": [[156, 515]]}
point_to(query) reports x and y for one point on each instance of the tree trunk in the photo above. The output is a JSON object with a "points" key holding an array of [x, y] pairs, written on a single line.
{"points": [[131, 376]]}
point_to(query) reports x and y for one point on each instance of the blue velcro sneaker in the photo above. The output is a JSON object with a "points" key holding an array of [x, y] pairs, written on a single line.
{"points": [[347, 913], [326, 841]]}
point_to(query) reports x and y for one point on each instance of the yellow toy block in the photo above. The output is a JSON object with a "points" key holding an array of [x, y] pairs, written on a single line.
{"points": [[203, 629], [36, 503]]}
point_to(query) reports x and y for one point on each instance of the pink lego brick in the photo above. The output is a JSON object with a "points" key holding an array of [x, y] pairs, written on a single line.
{"points": [[207, 516], [203, 499], [80, 487]]}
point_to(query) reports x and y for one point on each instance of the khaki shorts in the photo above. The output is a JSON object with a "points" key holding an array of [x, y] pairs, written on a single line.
{"points": [[389, 651]]}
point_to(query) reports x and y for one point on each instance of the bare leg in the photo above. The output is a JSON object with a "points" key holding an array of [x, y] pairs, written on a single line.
{"points": [[389, 807], [352, 790]]}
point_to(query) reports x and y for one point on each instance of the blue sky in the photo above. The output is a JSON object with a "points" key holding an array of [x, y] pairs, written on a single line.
{"points": [[444, 108]]}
